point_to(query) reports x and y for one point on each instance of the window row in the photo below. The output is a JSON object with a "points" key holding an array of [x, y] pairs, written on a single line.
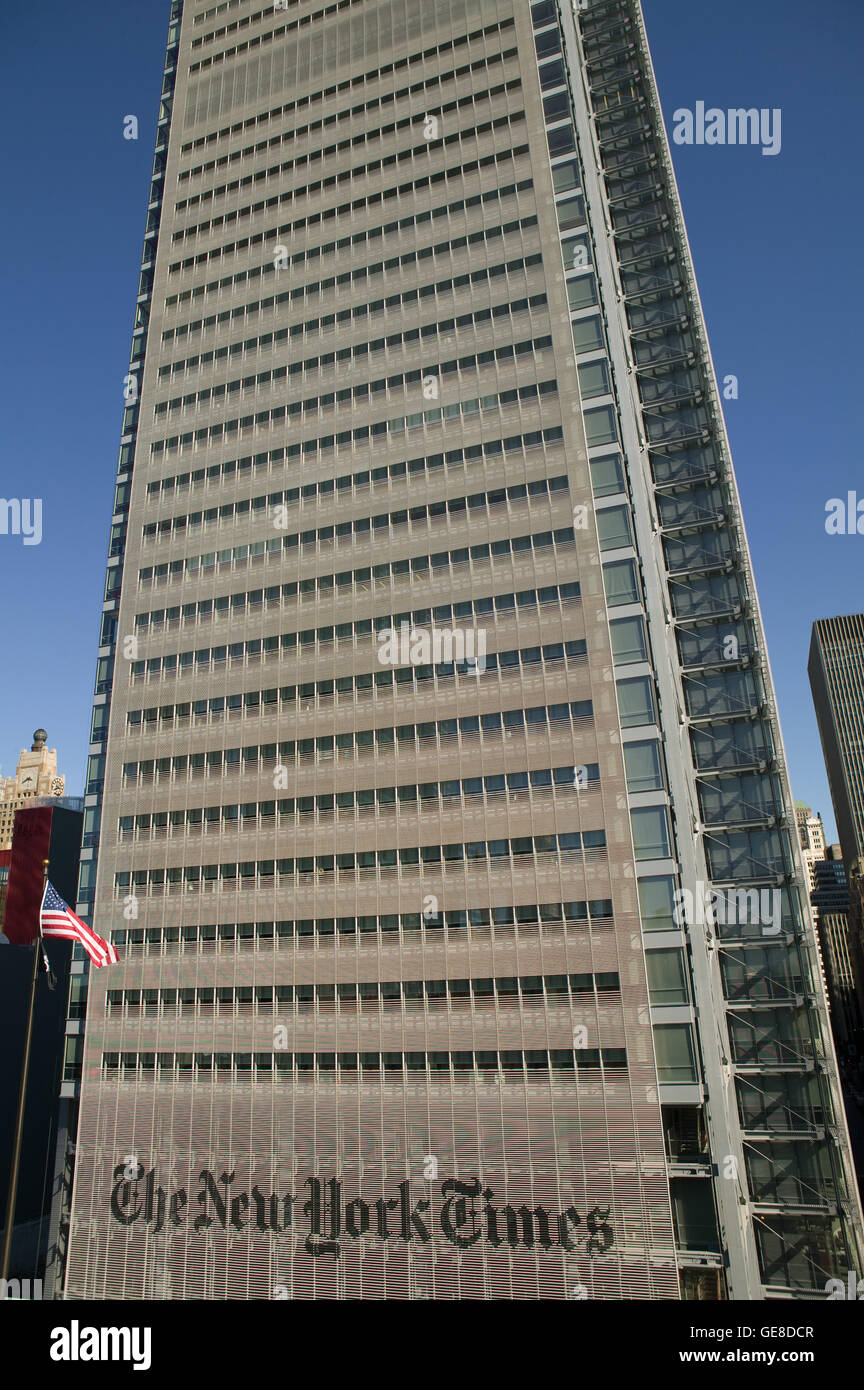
{"points": [[366, 478], [432, 290], [356, 312], [597, 912], [359, 628], [358, 80], [423, 184], [363, 992], [231, 1064], [363, 108], [587, 842], [367, 575], [632, 704], [330, 152], [360, 351], [352, 396], [425, 796], [219, 760], [360, 527], [398, 424], [426, 149], [291, 26], [203, 15], [267, 37]]}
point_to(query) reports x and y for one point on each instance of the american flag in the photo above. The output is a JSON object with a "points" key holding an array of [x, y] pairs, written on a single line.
{"points": [[57, 919]]}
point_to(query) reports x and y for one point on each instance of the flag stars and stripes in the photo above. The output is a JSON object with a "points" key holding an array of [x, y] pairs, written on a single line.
{"points": [[56, 918]]}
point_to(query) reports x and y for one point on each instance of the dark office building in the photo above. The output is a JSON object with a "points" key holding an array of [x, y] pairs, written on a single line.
{"points": [[836, 671], [830, 899], [5, 861], [44, 829]]}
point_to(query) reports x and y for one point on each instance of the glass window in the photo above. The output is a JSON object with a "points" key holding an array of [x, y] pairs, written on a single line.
{"points": [[73, 1056], [587, 332], [613, 528], [576, 251], [675, 1051], [546, 42], [582, 291], [644, 766], [594, 379], [636, 702], [552, 75], [571, 212], [667, 979], [78, 996], [542, 13], [561, 140], [621, 582], [629, 641], [650, 832], [557, 107], [601, 426], [566, 176], [607, 475]]}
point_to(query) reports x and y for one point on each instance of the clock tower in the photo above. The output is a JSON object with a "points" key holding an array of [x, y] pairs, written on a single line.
{"points": [[35, 775]]}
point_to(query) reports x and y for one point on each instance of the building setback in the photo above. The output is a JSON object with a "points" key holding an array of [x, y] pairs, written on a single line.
{"points": [[431, 685]]}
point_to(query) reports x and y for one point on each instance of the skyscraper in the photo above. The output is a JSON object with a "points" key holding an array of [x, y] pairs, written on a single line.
{"points": [[437, 802]]}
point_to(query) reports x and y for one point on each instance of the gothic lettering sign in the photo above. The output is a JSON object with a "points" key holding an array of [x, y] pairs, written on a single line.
{"points": [[324, 1219]]}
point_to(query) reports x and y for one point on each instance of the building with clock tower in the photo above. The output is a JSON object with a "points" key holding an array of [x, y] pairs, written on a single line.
{"points": [[35, 775]]}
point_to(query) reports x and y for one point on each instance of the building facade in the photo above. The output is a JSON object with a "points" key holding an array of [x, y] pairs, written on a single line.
{"points": [[836, 671], [35, 775], [436, 790], [811, 836], [830, 898]]}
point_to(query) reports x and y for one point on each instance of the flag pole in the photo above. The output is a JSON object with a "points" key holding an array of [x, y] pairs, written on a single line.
{"points": [[22, 1094]]}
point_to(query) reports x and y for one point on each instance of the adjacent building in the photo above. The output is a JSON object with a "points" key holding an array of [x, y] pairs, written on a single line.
{"points": [[35, 775], [836, 671], [436, 800], [45, 828], [830, 898], [811, 836], [5, 861]]}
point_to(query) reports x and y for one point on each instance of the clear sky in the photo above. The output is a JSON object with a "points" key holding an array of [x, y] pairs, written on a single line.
{"points": [[776, 241]]}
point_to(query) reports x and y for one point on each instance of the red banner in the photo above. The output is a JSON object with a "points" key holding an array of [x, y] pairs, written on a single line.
{"points": [[30, 848]]}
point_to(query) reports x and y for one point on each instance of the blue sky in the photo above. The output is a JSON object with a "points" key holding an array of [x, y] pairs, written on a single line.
{"points": [[776, 247]]}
